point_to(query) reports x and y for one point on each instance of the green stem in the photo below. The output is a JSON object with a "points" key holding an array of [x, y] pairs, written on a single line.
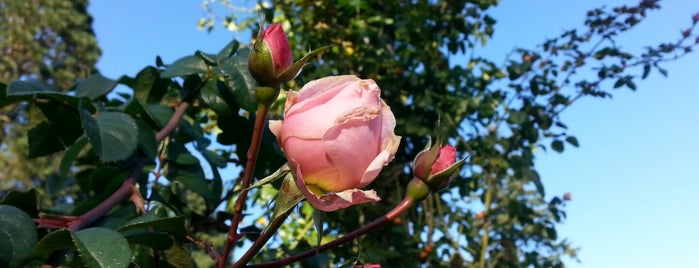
{"points": [[486, 232], [395, 212], [254, 149]]}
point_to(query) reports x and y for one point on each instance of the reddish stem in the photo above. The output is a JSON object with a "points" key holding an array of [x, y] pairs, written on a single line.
{"points": [[126, 187], [254, 149], [395, 212]]}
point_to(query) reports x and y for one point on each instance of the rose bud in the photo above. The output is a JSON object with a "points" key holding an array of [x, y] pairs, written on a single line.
{"points": [[337, 134], [270, 56], [436, 166]]}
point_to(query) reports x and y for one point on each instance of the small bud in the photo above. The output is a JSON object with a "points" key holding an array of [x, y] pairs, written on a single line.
{"points": [[695, 18], [436, 166], [567, 196], [686, 32], [270, 56]]}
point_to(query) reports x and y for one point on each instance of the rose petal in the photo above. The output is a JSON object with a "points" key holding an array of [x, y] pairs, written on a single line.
{"points": [[334, 201]]}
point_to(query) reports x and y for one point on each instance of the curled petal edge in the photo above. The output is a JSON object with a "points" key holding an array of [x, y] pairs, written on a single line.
{"points": [[335, 200]]}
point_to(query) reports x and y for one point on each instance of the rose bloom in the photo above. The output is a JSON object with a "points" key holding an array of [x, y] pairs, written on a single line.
{"points": [[337, 134]]}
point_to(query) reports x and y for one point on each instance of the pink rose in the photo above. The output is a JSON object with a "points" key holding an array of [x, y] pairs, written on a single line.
{"points": [[337, 134], [270, 57]]}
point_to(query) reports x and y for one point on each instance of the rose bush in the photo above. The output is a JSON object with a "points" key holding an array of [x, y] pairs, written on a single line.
{"points": [[337, 134]]}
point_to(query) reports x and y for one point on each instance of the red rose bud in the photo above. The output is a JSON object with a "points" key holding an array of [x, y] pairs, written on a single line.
{"points": [[442, 166], [270, 56]]}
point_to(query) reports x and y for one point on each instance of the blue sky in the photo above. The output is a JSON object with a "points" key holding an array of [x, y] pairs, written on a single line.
{"points": [[634, 181]]}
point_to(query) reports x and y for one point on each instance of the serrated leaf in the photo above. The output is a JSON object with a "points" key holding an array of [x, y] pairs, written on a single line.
{"points": [[228, 51], [185, 66], [31, 87], [59, 239], [6, 99], [102, 247], [94, 86], [210, 95], [288, 197], [71, 154], [17, 236], [113, 135], [238, 80], [26, 90], [175, 226]]}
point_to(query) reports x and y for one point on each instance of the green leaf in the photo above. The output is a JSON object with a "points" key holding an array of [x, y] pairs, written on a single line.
{"points": [[101, 247], [178, 256], [60, 239], [557, 146], [573, 141], [71, 154], [175, 226], [113, 135], [6, 99], [146, 140], [43, 141], [155, 240], [238, 80], [17, 236], [26, 201], [185, 66], [209, 59], [318, 224], [31, 87], [228, 51], [94, 86], [148, 86], [280, 173], [210, 95], [288, 197]]}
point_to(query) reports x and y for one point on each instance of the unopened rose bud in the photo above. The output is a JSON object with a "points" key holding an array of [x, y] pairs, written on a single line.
{"points": [[436, 166], [695, 18], [270, 56]]}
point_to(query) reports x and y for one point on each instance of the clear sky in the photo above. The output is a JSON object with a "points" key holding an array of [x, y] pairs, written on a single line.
{"points": [[634, 180]]}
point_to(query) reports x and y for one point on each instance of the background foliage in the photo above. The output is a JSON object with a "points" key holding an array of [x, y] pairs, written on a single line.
{"points": [[496, 214]]}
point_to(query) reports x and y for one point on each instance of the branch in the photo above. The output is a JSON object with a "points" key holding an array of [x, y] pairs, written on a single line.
{"points": [[254, 149], [126, 187], [395, 212]]}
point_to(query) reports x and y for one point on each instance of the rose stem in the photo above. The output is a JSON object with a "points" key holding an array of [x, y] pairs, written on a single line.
{"points": [[262, 239], [126, 187], [395, 212], [254, 149]]}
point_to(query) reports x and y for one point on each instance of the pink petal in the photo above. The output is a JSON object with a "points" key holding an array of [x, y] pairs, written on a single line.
{"points": [[334, 201]]}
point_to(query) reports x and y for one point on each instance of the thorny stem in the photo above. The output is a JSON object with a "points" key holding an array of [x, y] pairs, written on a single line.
{"points": [[395, 212], [254, 149]]}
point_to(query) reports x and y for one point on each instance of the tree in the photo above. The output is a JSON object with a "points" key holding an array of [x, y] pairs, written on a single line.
{"points": [[495, 115], [45, 40]]}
